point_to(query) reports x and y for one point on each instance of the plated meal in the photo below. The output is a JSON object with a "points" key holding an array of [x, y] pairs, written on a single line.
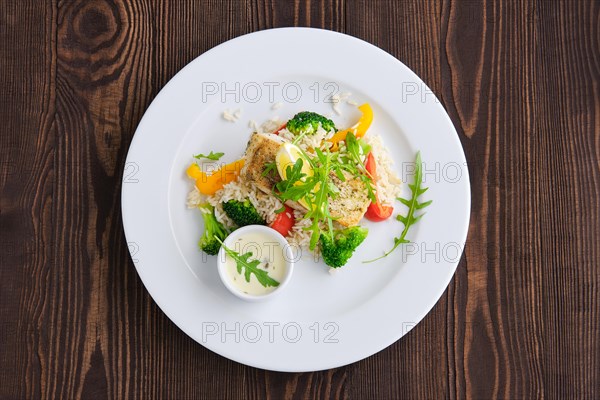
{"points": [[306, 179], [321, 320]]}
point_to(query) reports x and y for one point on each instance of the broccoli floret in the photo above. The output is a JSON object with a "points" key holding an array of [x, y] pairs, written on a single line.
{"points": [[307, 122], [242, 213], [336, 252], [212, 229]]}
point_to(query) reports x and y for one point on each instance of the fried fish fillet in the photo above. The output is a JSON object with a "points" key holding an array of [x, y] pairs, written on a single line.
{"points": [[351, 203]]}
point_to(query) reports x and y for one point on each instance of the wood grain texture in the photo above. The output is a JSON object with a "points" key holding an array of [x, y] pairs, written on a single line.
{"points": [[521, 82]]}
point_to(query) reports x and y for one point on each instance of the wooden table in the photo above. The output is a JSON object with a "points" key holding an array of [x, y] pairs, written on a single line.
{"points": [[520, 81]]}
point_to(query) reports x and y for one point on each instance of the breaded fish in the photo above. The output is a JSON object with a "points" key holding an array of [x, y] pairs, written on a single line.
{"points": [[348, 207]]}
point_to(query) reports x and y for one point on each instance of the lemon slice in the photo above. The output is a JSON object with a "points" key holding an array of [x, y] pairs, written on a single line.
{"points": [[287, 155]]}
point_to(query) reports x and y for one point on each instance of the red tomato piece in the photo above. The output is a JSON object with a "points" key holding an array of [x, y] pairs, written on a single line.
{"points": [[376, 212], [284, 221], [370, 166], [280, 128]]}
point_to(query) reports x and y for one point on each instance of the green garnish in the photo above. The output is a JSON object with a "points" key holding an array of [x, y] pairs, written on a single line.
{"points": [[318, 203], [211, 156], [366, 148], [292, 188], [413, 205], [315, 190], [269, 169], [250, 267], [356, 150]]}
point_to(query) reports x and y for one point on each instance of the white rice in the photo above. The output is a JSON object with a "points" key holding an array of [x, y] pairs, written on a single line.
{"points": [[277, 106], [299, 235], [232, 116], [264, 203], [309, 142], [194, 198], [337, 99], [268, 126], [388, 182]]}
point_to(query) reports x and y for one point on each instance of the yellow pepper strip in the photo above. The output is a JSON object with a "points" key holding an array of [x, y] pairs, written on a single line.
{"points": [[194, 172], [358, 130], [210, 184]]}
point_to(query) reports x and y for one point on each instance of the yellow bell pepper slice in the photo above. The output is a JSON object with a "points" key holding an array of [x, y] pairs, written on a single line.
{"points": [[359, 130], [210, 184], [194, 172]]}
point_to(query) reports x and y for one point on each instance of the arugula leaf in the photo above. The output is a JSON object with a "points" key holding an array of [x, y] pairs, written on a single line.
{"points": [[352, 145], [314, 190], [269, 168], [250, 267], [211, 156], [298, 138], [294, 187], [319, 201], [413, 205]]}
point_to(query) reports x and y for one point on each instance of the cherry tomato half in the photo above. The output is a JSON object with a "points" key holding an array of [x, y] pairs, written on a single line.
{"points": [[370, 166], [378, 212], [284, 221]]}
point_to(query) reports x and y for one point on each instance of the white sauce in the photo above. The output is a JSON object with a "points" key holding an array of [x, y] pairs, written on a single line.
{"points": [[264, 248]]}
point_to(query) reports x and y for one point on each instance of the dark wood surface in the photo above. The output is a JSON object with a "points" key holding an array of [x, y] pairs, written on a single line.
{"points": [[520, 80]]}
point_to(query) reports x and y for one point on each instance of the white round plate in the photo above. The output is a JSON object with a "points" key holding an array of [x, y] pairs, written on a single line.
{"points": [[322, 320]]}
